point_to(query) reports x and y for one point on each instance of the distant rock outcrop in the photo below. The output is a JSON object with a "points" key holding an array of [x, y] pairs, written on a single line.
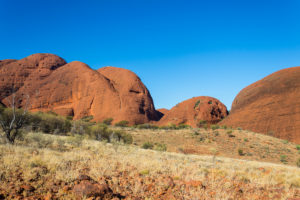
{"points": [[270, 106], [75, 89], [193, 110], [163, 111]]}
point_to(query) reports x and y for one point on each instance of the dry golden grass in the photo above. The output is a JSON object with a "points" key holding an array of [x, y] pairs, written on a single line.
{"points": [[65, 158], [223, 142]]}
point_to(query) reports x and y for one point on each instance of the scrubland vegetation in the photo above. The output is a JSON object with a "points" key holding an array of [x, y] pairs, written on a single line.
{"points": [[51, 154]]}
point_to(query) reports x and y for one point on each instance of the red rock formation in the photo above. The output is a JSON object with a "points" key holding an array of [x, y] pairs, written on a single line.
{"points": [[77, 90], [193, 110], [164, 111], [132, 93], [270, 106]]}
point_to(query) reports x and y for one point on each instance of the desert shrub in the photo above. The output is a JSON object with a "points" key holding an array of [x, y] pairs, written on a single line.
{"points": [[160, 147], [147, 145], [210, 102], [298, 162], [80, 127], [285, 141], [202, 123], [171, 126], [12, 121], [74, 141], [87, 118], [183, 126], [146, 126], [197, 104], [298, 147], [126, 138], [229, 133], [195, 133], [49, 123], [239, 128], [223, 127], [101, 132], [283, 159], [39, 140], [122, 123], [240, 152], [108, 121], [214, 127], [246, 140], [216, 133], [120, 136]]}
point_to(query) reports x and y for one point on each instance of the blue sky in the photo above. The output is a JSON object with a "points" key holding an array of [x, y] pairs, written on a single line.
{"points": [[180, 49]]}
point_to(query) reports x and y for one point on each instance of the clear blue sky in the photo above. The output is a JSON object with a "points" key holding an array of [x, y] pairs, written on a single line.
{"points": [[180, 49]]}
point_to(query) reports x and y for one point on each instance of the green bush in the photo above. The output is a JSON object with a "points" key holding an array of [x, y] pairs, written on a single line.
{"points": [[102, 133], [240, 151], [146, 126], [283, 158], [171, 126], [147, 145], [214, 127], [80, 127], [197, 104], [229, 133], [298, 162], [202, 123], [160, 147], [298, 147], [108, 121], [122, 123], [183, 126], [49, 122], [285, 141], [223, 127], [87, 118]]}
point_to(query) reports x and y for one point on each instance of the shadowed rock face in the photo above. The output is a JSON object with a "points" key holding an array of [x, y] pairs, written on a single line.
{"points": [[162, 111], [75, 89], [193, 110], [270, 106]]}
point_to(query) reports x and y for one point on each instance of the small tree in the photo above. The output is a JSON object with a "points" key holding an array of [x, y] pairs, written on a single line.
{"points": [[13, 119]]}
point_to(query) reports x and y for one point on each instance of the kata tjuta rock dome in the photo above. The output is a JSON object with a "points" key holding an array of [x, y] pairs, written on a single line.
{"points": [[270, 106], [193, 110], [75, 89]]}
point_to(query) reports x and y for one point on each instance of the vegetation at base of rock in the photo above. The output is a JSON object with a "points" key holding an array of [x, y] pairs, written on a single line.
{"points": [[122, 123], [108, 121], [214, 126], [202, 123], [172, 126], [101, 132], [146, 126], [51, 123]]}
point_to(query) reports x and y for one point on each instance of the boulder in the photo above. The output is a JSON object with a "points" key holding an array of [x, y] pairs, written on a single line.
{"points": [[194, 110], [270, 106]]}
